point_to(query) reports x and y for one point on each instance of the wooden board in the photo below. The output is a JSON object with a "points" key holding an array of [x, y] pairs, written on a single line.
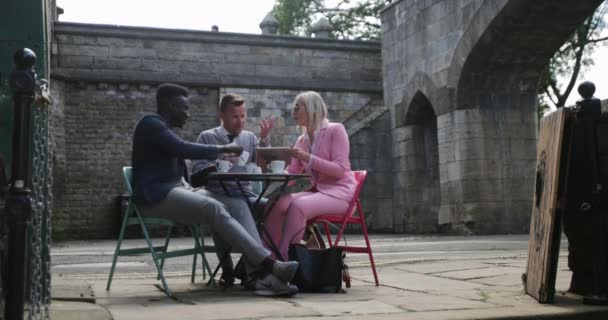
{"points": [[545, 226]]}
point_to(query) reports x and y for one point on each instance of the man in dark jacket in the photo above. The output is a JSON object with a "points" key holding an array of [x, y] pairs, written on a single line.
{"points": [[160, 186]]}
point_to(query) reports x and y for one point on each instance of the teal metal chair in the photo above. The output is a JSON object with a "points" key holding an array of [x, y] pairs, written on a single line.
{"points": [[132, 216]]}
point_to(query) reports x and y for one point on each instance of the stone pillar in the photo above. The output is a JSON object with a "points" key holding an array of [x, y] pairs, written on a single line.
{"points": [[270, 25], [416, 178], [487, 160], [321, 28]]}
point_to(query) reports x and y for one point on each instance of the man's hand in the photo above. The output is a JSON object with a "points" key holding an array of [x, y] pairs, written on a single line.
{"points": [[232, 148], [299, 154], [266, 126]]}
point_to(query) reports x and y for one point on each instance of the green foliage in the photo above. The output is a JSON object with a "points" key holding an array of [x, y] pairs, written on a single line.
{"points": [[349, 19], [572, 60]]}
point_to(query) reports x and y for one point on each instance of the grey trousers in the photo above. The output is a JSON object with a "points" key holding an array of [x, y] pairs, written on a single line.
{"points": [[196, 207], [237, 207]]}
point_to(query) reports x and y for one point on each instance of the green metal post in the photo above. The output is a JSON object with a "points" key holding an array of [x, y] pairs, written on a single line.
{"points": [[25, 24]]}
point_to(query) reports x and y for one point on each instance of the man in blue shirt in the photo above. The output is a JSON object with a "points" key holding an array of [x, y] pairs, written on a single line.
{"points": [[233, 115], [160, 187]]}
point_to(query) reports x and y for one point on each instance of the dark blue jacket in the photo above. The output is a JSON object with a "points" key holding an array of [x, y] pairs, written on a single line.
{"points": [[158, 159]]}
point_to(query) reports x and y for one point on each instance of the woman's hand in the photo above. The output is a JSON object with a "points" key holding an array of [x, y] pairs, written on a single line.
{"points": [[299, 154]]}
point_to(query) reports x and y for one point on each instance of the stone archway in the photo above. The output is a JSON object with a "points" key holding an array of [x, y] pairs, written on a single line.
{"points": [[417, 194], [495, 71]]}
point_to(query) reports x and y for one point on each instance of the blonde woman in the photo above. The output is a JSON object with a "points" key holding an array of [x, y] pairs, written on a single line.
{"points": [[322, 151]]}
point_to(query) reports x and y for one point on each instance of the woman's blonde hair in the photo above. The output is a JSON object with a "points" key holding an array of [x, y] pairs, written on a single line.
{"points": [[315, 107]]}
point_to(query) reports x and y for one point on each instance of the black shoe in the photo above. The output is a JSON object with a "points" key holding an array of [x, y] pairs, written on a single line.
{"points": [[227, 278], [248, 283], [239, 270]]}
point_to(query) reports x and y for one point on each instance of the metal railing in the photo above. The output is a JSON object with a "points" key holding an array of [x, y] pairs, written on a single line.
{"points": [[27, 204]]}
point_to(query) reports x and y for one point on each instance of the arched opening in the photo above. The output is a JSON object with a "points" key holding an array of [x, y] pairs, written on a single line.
{"points": [[495, 73], [418, 157]]}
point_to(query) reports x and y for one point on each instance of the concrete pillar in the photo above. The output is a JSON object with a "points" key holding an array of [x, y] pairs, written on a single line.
{"points": [[270, 25], [321, 28]]}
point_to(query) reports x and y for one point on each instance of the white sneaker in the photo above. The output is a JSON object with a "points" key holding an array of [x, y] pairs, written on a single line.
{"points": [[285, 270], [271, 286]]}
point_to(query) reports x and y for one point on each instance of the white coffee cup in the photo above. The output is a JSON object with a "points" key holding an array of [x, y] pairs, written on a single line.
{"points": [[250, 168], [243, 158], [277, 166], [223, 165]]}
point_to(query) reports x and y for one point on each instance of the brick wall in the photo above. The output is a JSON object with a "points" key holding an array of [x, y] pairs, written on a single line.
{"points": [[93, 127], [105, 79]]}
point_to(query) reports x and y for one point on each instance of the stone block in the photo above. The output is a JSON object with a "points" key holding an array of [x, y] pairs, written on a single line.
{"points": [[83, 50], [116, 63], [521, 149], [446, 153], [201, 68], [476, 149], [471, 116], [130, 52], [474, 169], [482, 190], [71, 61], [383, 215], [231, 49], [402, 133]]}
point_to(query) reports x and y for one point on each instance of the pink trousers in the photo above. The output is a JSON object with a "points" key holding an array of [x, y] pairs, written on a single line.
{"points": [[287, 220]]}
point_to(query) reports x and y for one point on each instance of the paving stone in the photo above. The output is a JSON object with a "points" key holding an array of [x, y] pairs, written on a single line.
{"points": [[417, 301], [504, 280], [257, 307], [417, 282], [441, 266], [69, 310], [481, 272], [329, 308]]}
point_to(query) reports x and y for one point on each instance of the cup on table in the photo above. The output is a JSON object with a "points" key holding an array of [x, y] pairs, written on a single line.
{"points": [[223, 165], [277, 166], [251, 168]]}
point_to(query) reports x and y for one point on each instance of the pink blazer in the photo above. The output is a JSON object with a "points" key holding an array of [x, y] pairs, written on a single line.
{"points": [[329, 165]]}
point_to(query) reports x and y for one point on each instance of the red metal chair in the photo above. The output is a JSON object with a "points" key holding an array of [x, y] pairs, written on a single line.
{"points": [[350, 218]]}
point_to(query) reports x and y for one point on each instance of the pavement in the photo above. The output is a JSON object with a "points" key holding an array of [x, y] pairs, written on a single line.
{"points": [[423, 277]]}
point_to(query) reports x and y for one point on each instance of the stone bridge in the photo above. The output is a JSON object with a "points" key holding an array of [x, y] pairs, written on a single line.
{"points": [[461, 79], [441, 112]]}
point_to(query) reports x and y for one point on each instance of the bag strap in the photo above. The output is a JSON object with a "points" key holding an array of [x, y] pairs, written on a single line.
{"points": [[321, 220]]}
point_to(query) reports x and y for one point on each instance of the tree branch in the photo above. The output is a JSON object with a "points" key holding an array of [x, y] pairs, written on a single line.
{"points": [[548, 94]]}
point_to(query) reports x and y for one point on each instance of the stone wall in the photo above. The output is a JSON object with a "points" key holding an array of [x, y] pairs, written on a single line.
{"points": [[105, 78], [213, 59]]}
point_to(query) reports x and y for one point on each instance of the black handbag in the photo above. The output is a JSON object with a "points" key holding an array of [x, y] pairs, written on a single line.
{"points": [[320, 269]]}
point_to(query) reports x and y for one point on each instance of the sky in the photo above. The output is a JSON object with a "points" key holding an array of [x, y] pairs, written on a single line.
{"points": [[241, 16]]}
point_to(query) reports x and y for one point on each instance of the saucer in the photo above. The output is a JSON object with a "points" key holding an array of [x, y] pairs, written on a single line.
{"points": [[238, 169]]}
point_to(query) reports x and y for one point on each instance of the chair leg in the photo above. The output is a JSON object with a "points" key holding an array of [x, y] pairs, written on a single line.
{"points": [[155, 257], [340, 234], [199, 249], [162, 261], [369, 247], [326, 227], [121, 235], [206, 267]]}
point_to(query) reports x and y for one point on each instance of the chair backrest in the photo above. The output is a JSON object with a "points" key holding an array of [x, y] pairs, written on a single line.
{"points": [[360, 176], [127, 173]]}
